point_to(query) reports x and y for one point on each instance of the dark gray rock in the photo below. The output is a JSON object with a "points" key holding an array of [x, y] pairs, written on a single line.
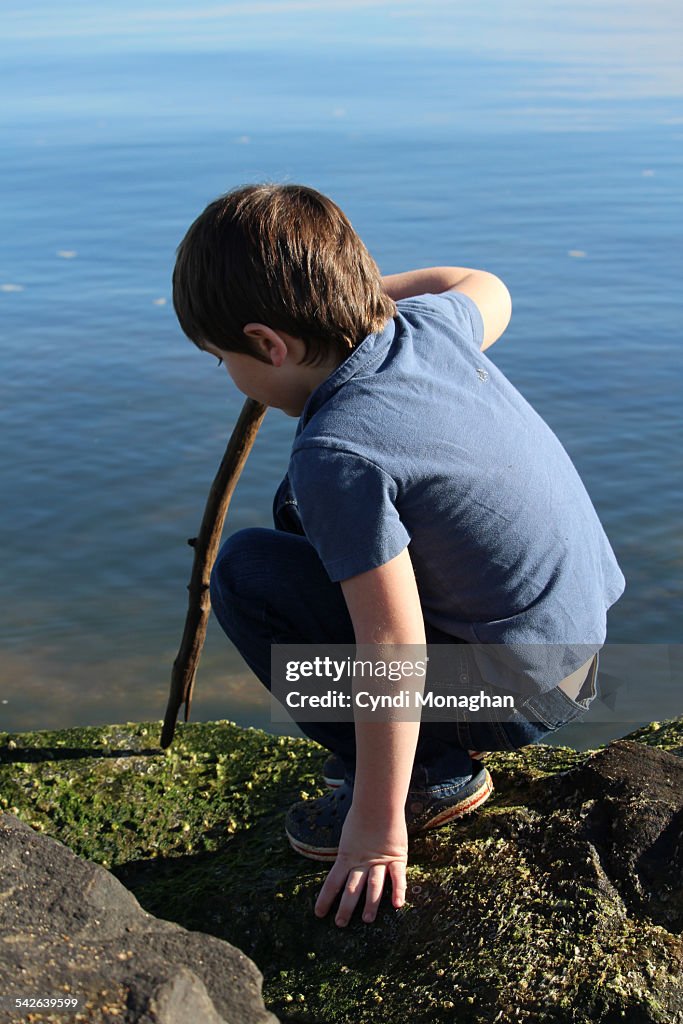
{"points": [[627, 801], [69, 928]]}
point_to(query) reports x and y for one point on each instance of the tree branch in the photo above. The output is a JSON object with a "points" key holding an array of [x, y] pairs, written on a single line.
{"points": [[205, 550]]}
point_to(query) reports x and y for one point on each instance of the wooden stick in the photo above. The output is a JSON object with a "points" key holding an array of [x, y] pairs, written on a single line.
{"points": [[205, 550]]}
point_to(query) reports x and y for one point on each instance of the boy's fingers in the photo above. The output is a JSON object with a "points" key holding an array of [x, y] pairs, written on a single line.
{"points": [[353, 882], [397, 873], [331, 886], [350, 896], [375, 885]]}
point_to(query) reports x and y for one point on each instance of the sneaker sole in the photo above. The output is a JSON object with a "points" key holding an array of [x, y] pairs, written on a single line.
{"points": [[332, 783], [467, 805], [459, 810]]}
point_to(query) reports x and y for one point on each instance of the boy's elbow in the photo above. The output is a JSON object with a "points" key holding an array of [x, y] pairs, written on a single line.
{"points": [[497, 312], [493, 300]]}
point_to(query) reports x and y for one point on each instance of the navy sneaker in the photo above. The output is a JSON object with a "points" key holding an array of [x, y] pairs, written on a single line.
{"points": [[335, 768], [314, 827]]}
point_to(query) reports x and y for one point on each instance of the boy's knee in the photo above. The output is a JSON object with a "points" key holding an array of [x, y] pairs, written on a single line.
{"points": [[241, 565]]}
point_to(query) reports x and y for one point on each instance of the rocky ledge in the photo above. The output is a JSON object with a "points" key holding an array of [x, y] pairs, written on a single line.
{"points": [[73, 937], [560, 900]]}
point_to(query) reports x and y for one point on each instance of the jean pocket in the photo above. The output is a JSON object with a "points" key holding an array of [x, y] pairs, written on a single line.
{"points": [[556, 708]]}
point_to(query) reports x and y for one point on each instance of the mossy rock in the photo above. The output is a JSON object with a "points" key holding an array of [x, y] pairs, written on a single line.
{"points": [[559, 900]]}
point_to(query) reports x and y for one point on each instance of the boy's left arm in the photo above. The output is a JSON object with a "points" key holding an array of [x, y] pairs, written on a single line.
{"points": [[385, 609]]}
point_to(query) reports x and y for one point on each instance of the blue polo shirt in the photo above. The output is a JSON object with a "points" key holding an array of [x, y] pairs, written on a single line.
{"points": [[419, 440]]}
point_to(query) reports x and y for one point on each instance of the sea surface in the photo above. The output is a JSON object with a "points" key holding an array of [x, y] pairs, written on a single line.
{"points": [[539, 141]]}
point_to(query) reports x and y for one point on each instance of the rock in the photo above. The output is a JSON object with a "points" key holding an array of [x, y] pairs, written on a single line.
{"points": [[559, 900], [629, 800], [68, 928]]}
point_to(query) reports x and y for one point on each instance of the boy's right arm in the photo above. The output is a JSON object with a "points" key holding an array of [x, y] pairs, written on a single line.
{"points": [[487, 291], [384, 605]]}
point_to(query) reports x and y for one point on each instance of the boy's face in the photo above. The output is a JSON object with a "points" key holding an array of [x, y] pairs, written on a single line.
{"points": [[283, 382]]}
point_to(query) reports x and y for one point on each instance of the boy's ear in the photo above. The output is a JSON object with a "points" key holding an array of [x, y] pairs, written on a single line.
{"points": [[267, 342]]}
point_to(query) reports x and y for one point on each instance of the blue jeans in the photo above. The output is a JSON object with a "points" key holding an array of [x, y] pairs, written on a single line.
{"points": [[270, 587]]}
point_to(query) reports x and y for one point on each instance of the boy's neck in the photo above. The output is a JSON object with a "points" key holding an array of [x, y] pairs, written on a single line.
{"points": [[310, 378]]}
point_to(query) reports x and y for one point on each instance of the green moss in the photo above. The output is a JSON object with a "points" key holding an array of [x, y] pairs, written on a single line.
{"points": [[665, 735], [503, 921], [114, 796]]}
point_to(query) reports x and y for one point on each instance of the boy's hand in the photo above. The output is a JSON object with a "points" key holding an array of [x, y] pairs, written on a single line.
{"points": [[368, 852]]}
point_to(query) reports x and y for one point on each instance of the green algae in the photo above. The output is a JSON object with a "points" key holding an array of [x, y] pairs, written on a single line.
{"points": [[508, 917], [112, 794], [665, 735]]}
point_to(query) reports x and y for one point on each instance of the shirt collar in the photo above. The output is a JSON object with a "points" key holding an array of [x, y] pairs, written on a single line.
{"points": [[371, 349]]}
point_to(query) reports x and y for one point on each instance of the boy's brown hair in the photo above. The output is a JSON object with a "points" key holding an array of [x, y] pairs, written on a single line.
{"points": [[282, 255]]}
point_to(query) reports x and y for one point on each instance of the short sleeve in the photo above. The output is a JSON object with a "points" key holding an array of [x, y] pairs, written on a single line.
{"points": [[347, 506], [459, 310]]}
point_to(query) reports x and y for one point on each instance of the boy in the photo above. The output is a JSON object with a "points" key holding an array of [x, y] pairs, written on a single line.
{"points": [[425, 502]]}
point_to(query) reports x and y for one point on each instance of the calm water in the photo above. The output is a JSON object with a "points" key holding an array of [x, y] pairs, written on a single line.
{"points": [[546, 152]]}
